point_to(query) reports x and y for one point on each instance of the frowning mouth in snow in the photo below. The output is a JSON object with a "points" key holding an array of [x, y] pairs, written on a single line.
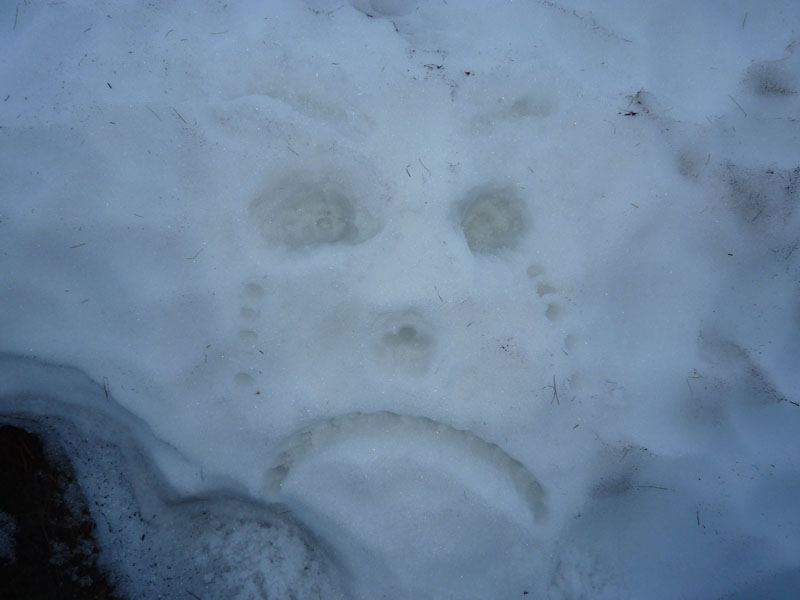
{"points": [[398, 299]]}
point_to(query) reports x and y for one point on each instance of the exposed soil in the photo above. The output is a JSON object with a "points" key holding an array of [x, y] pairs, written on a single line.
{"points": [[56, 554]]}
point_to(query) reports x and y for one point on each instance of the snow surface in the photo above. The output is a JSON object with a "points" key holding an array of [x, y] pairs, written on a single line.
{"points": [[397, 299]]}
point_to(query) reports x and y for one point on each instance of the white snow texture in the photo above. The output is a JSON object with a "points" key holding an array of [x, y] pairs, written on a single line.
{"points": [[399, 299]]}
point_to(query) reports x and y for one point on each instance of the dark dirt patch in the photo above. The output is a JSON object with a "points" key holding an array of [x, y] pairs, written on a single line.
{"points": [[56, 550]]}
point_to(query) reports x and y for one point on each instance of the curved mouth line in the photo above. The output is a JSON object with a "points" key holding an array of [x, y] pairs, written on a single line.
{"points": [[467, 445]]}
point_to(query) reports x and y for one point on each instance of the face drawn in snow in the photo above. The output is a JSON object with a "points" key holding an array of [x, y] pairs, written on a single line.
{"points": [[493, 219]]}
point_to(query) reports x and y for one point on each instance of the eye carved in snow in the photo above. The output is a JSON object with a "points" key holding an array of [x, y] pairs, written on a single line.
{"points": [[306, 211], [461, 452], [493, 219], [307, 214]]}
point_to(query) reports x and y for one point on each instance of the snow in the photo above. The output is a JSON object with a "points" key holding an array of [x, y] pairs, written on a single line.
{"points": [[397, 299]]}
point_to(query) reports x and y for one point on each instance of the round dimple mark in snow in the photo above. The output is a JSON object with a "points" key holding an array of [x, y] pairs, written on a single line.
{"points": [[544, 289], [554, 312], [404, 342], [253, 291], [247, 336], [535, 271], [493, 219], [243, 379], [249, 313], [531, 105]]}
